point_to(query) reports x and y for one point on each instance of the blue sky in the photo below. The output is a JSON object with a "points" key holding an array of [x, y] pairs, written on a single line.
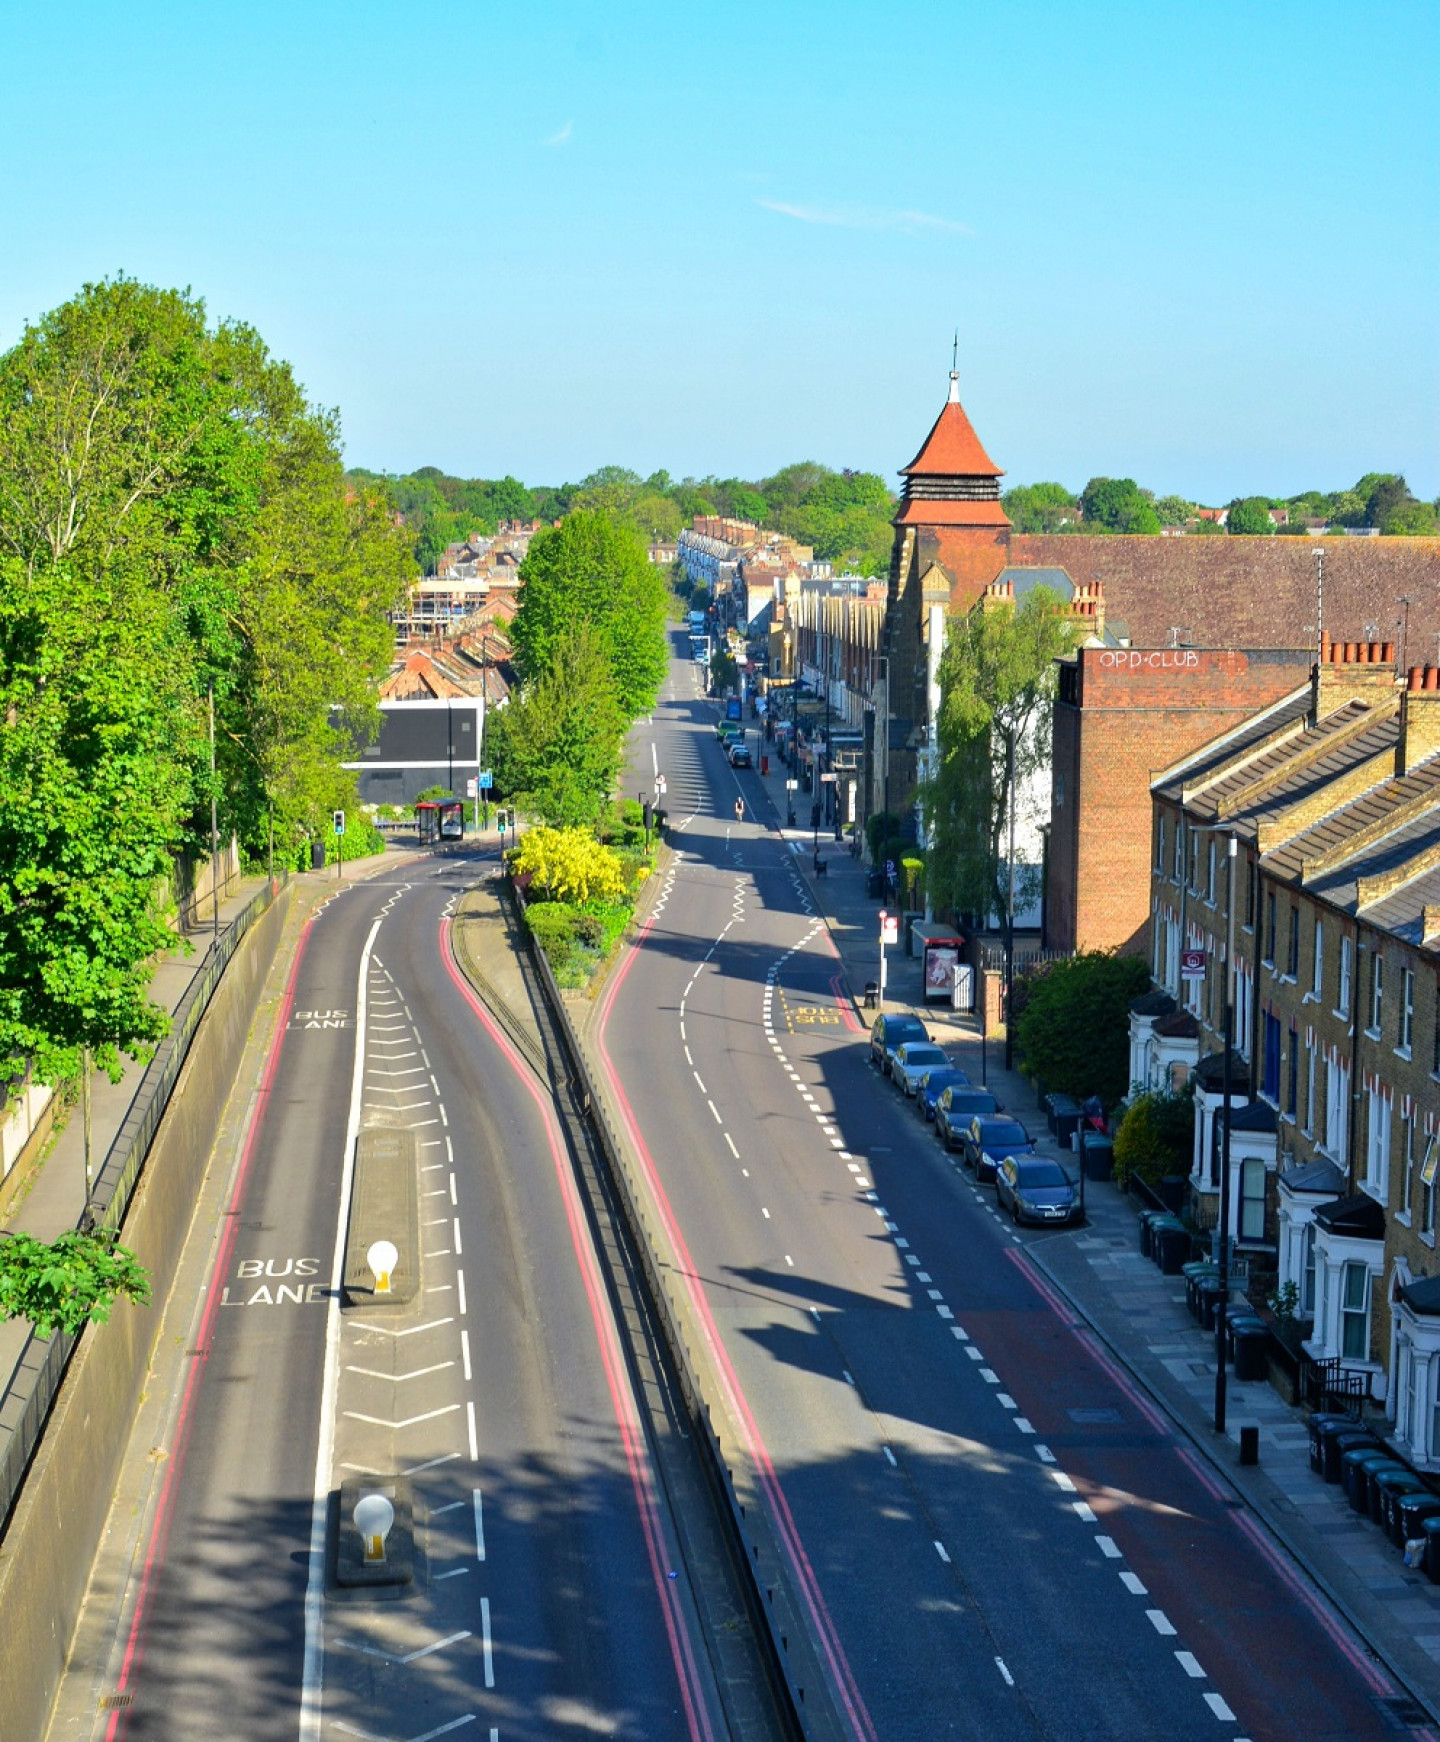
{"points": [[1195, 244]]}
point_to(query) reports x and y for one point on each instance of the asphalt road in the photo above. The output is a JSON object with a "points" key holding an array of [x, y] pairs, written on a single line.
{"points": [[995, 1534], [548, 1601]]}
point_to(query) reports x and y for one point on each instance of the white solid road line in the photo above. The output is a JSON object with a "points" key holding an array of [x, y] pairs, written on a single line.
{"points": [[313, 1670], [485, 1640], [479, 1525]]}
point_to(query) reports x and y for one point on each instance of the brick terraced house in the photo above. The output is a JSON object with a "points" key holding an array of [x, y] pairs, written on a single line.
{"points": [[1332, 795]]}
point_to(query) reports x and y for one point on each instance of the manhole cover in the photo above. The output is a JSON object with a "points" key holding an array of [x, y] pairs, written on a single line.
{"points": [[116, 1702], [1093, 1417]]}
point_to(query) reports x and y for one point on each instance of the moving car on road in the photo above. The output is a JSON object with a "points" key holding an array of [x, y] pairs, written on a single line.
{"points": [[932, 1086], [988, 1139], [956, 1107], [913, 1060], [739, 755], [1035, 1189], [890, 1032]]}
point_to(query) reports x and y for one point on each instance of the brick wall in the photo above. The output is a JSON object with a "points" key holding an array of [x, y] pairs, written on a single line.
{"points": [[1126, 714]]}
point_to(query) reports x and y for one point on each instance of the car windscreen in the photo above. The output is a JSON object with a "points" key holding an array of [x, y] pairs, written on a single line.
{"points": [[1040, 1173]]}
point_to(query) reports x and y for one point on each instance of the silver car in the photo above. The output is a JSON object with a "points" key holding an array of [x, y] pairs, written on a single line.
{"points": [[915, 1059]]}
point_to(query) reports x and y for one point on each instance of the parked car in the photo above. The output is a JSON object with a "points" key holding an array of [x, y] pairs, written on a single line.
{"points": [[913, 1060], [988, 1139], [890, 1032], [956, 1107], [931, 1086], [1035, 1189], [739, 755]]}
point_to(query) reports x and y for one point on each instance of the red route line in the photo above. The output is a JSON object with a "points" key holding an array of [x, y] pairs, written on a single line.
{"points": [[622, 1400], [164, 1510], [856, 1711], [1253, 1531]]}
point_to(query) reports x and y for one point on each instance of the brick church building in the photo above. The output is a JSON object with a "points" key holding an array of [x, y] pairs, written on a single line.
{"points": [[1185, 637]]}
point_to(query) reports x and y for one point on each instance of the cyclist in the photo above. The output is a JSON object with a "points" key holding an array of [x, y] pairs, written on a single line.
{"points": [[739, 810]]}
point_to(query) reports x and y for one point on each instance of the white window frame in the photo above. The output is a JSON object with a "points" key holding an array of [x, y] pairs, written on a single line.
{"points": [[1342, 1009], [1407, 1011], [1377, 1144], [1317, 971], [1337, 1108], [1352, 1316], [1252, 1203], [1377, 994]]}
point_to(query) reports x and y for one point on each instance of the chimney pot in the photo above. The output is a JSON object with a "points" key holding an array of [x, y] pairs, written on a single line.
{"points": [[1416, 678]]}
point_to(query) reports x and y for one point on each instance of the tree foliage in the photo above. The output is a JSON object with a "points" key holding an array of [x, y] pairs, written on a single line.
{"points": [[592, 570], [569, 865], [997, 686], [69, 1282], [1249, 516], [1041, 508], [557, 747], [1156, 1136], [1118, 505], [1074, 1030], [173, 515]]}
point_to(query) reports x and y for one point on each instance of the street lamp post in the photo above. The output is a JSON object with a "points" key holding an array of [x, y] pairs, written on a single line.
{"points": [[1225, 1087], [1010, 903]]}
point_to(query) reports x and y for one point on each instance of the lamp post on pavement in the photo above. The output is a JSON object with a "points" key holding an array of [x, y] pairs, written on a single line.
{"points": [[1225, 1087]]}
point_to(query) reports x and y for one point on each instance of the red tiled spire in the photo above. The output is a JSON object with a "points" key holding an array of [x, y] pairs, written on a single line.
{"points": [[952, 448]]}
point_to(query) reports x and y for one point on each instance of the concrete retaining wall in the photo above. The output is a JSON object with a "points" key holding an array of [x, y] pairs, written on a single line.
{"points": [[55, 1530]]}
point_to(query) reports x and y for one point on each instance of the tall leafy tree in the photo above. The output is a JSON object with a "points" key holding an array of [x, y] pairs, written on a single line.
{"points": [[173, 516], [557, 748], [1249, 516], [592, 569], [997, 687]]}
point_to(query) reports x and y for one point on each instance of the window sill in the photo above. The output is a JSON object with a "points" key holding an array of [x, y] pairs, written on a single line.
{"points": [[1403, 1218], [1372, 1034], [1287, 979], [1404, 1052], [1311, 998], [1427, 1239]]}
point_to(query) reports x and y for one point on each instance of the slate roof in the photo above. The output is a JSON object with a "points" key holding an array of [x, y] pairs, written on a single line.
{"points": [[1423, 1295], [1357, 1217], [1320, 1176]]}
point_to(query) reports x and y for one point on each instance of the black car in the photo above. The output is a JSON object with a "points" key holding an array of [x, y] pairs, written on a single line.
{"points": [[956, 1107], [1035, 1189], [988, 1139], [890, 1032], [739, 757]]}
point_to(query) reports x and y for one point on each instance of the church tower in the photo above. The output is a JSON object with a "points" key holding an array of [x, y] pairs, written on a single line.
{"points": [[951, 541]]}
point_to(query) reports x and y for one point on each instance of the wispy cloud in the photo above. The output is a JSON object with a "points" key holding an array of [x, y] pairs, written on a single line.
{"points": [[563, 136], [867, 218]]}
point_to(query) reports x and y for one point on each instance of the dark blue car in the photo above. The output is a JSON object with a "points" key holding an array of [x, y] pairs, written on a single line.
{"points": [[932, 1084]]}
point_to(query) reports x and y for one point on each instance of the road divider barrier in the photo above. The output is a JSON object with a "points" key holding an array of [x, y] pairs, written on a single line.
{"points": [[814, 1701]]}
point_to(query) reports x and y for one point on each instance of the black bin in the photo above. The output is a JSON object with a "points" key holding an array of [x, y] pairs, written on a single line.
{"points": [[1336, 1446], [875, 885], [1097, 1155], [1208, 1300], [1171, 1246], [1430, 1530], [1064, 1114], [1411, 1511], [1382, 1483], [317, 855], [1391, 1490], [1357, 1464], [1318, 1424], [1148, 1219], [1194, 1274], [1252, 1360]]}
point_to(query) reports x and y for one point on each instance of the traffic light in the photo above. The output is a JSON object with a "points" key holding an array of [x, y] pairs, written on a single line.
{"points": [[339, 822], [648, 816], [502, 820]]}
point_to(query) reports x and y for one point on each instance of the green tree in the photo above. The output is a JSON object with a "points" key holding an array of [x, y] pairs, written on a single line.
{"points": [[68, 1283], [570, 865], [1117, 505], [1249, 516], [724, 673], [557, 749], [591, 569], [1174, 510], [172, 515], [1156, 1136], [997, 687], [1074, 1030], [1041, 507]]}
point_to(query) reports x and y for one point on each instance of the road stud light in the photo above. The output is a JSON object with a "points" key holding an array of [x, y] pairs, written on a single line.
{"points": [[373, 1517], [382, 1259]]}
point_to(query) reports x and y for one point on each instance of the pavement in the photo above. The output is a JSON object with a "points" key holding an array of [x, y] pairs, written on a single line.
{"points": [[1140, 1316]]}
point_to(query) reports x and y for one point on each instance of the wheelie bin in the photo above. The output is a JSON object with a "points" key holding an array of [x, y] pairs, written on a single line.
{"points": [[1252, 1350]]}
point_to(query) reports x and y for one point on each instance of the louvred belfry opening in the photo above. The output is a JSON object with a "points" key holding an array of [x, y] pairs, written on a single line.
{"points": [[952, 481]]}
